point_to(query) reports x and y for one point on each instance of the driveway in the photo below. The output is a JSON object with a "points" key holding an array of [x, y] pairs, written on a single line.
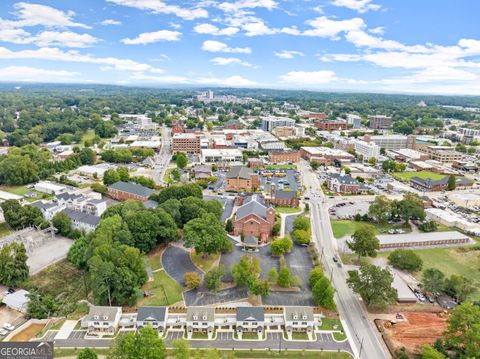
{"points": [[176, 262], [201, 297]]}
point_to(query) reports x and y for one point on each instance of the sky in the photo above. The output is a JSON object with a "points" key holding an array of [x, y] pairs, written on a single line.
{"points": [[394, 46]]}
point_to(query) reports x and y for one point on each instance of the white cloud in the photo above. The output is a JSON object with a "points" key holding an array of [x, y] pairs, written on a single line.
{"points": [[25, 73], [380, 30], [160, 7], [107, 22], [358, 5], [286, 54], [16, 36], [55, 54], [149, 37], [164, 79], [223, 61], [214, 30], [65, 38], [309, 78], [257, 28], [217, 46], [232, 81], [325, 27], [237, 6], [160, 58], [35, 14]]}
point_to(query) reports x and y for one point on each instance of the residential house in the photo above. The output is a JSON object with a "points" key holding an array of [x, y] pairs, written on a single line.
{"points": [[102, 320], [202, 172], [343, 183], [254, 219], [84, 222], [154, 316], [241, 178], [48, 209], [250, 319], [200, 319], [129, 190], [299, 319]]}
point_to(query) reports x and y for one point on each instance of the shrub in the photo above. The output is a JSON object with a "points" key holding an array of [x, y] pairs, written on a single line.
{"points": [[302, 223], [192, 280], [405, 259], [301, 236]]}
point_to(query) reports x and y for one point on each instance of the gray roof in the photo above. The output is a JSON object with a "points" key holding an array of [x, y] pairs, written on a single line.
{"points": [[101, 312], [252, 207], [240, 172], [151, 314], [200, 311], [132, 187], [300, 312], [285, 194], [420, 237], [443, 181], [82, 217], [345, 179], [67, 196], [42, 205], [250, 314], [150, 204]]}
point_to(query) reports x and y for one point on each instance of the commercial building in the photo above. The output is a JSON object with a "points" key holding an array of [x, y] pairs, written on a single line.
{"points": [[343, 183], [444, 154], [325, 155], [185, 142], [270, 123], [331, 125], [391, 142], [430, 185], [433, 239], [407, 155], [284, 156], [241, 178], [465, 166], [354, 120], [380, 122], [233, 125], [129, 190], [17, 300], [367, 149], [49, 187], [210, 155]]}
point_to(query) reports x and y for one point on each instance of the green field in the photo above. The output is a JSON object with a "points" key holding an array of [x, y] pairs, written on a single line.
{"points": [[21, 190], [281, 167], [406, 176], [287, 210], [342, 228], [163, 290]]}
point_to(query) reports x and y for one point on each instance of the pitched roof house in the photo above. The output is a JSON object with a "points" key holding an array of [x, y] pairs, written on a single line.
{"points": [[254, 218]]}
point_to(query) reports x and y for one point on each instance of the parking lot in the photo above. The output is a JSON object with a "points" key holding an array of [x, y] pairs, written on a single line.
{"points": [[346, 210], [290, 180], [176, 262]]}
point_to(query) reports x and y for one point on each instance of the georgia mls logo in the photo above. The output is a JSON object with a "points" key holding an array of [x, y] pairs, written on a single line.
{"points": [[26, 350]]}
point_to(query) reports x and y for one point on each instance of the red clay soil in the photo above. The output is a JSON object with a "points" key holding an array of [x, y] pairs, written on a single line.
{"points": [[28, 333], [420, 328]]}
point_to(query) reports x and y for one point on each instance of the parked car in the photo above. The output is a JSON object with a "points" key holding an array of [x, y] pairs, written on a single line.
{"points": [[8, 326], [3, 332]]}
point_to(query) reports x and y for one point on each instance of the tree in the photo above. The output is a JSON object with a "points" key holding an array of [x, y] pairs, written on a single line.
{"points": [[458, 287], [374, 285], [260, 287], [301, 236], [181, 160], [62, 223], [246, 271], [13, 264], [18, 216], [40, 306], [428, 352], [452, 183], [229, 225], [463, 331], [272, 275], [192, 280], [87, 156], [284, 277], [405, 259], [144, 344], [213, 278], [181, 349], [77, 254], [276, 228], [314, 165], [364, 242], [143, 226], [323, 293], [18, 170], [433, 280], [380, 209], [372, 161], [206, 234], [411, 206], [315, 274], [429, 226], [87, 353], [281, 246], [178, 192], [110, 177], [302, 223]]}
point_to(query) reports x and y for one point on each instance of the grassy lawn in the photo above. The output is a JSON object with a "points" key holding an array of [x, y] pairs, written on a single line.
{"points": [[200, 335], [287, 210], [154, 257], [20, 191], [329, 324], [453, 261], [205, 263], [280, 167], [246, 354], [406, 176], [342, 228], [62, 281], [163, 290], [299, 336], [4, 230]]}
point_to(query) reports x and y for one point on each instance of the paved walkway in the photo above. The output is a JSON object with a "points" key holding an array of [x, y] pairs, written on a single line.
{"points": [[66, 329]]}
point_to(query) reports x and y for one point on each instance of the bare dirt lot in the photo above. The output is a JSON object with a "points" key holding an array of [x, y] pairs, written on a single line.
{"points": [[28, 333], [418, 329]]}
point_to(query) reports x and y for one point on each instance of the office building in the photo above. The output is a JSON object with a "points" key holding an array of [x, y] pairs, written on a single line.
{"points": [[380, 122]]}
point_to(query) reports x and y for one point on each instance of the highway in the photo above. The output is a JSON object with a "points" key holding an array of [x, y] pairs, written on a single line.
{"points": [[363, 333], [162, 158]]}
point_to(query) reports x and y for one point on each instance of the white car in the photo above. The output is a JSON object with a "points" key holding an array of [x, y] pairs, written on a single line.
{"points": [[3, 332], [8, 326]]}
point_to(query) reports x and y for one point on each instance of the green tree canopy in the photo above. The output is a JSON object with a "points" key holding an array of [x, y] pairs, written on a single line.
{"points": [[364, 242], [405, 259], [206, 234], [144, 344]]}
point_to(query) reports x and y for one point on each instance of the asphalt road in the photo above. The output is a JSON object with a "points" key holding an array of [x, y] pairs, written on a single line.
{"points": [[363, 333], [162, 158]]}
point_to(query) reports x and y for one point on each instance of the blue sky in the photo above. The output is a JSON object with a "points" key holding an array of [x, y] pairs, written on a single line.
{"points": [[413, 46]]}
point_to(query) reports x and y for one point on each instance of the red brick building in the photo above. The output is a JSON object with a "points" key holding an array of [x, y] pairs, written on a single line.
{"points": [[122, 191], [283, 198], [240, 179], [233, 125], [331, 125], [177, 129], [255, 163], [284, 156], [254, 219], [186, 142]]}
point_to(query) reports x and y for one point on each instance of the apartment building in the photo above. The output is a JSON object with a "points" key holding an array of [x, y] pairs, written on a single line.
{"points": [[391, 142], [354, 121], [367, 149], [221, 155], [444, 154], [325, 155], [284, 156], [186, 142], [380, 122], [331, 125], [270, 123]]}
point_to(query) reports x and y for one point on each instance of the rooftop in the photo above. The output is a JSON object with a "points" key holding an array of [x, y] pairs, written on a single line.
{"points": [[132, 187]]}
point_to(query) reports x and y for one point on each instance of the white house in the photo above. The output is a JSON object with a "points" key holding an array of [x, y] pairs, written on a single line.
{"points": [[200, 319], [299, 319], [102, 320], [250, 319], [154, 316]]}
